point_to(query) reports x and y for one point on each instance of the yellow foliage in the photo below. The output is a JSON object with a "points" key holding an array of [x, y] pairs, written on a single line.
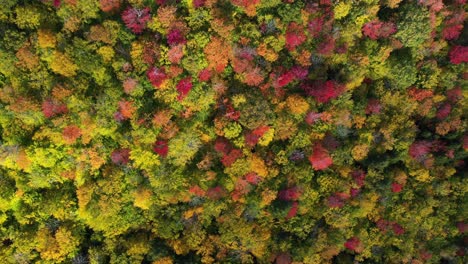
{"points": [[421, 175], [58, 247], [191, 212], [180, 248], [297, 104], [303, 58], [144, 159], [46, 39], [359, 152], [267, 137], [107, 53], [143, 198], [359, 121], [72, 24], [63, 65], [238, 99], [165, 260], [267, 197], [341, 10], [96, 160], [393, 3], [139, 247], [23, 160], [269, 54], [258, 166]]}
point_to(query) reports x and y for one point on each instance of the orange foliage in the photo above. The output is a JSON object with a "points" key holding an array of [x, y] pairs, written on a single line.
{"points": [[126, 108], [217, 53], [71, 134]]}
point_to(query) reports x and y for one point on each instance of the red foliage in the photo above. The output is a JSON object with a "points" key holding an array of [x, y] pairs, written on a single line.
{"points": [[183, 87], [222, 145], [290, 194], [383, 225], [352, 243], [373, 106], [109, 5], [420, 149], [175, 37], [377, 29], [458, 54], [251, 139], [175, 54], [335, 201], [299, 72], [323, 91], [396, 187], [315, 26], [51, 109], [327, 46], [354, 192], [293, 211], [242, 187], [285, 78], [434, 5], [452, 32], [455, 94], [199, 3], [120, 156], [398, 229], [425, 255], [135, 19], [129, 85], [215, 193], [320, 159], [294, 36], [462, 227], [312, 117], [253, 77], [196, 190], [359, 177], [465, 142], [156, 76], [231, 113], [342, 195], [252, 178], [283, 258], [444, 111], [161, 148], [230, 158], [419, 94], [204, 75], [71, 134]]}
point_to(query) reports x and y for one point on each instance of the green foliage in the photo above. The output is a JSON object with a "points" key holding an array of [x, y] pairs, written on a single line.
{"points": [[413, 25]]}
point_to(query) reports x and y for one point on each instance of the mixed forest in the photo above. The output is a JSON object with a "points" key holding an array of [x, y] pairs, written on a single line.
{"points": [[233, 131]]}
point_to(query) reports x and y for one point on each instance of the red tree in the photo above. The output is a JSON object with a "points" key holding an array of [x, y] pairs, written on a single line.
{"points": [[320, 159], [183, 87], [161, 148], [323, 91], [51, 108], [156, 76], [352, 244], [458, 54], [135, 19], [120, 156]]}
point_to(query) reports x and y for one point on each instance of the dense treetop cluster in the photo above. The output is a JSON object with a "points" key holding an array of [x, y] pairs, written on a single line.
{"points": [[233, 131]]}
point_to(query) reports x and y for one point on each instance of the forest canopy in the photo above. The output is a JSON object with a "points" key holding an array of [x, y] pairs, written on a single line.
{"points": [[233, 131]]}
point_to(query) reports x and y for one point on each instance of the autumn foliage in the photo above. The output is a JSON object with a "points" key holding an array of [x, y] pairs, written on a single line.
{"points": [[233, 131]]}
